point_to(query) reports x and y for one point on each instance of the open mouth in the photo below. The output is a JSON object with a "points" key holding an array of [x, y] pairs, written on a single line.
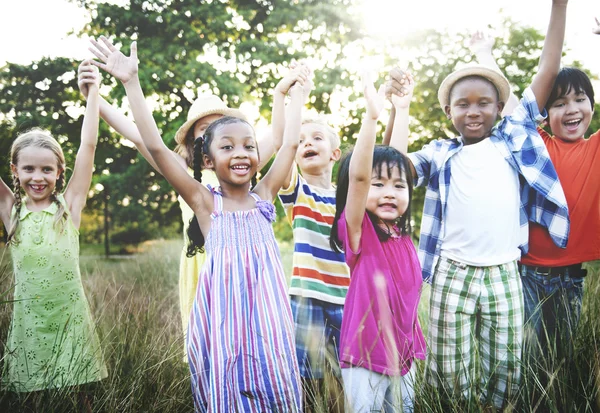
{"points": [[474, 125], [38, 188], [309, 154], [388, 206], [572, 124], [240, 169]]}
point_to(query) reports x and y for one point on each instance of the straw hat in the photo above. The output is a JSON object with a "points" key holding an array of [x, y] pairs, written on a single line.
{"points": [[497, 79], [203, 106]]}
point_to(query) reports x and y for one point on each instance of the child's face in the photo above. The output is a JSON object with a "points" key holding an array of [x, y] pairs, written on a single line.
{"points": [[474, 108], [203, 123], [570, 115], [388, 196], [37, 170], [315, 149], [233, 153]]}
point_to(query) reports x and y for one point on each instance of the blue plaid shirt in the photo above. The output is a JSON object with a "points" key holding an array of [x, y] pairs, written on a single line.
{"points": [[542, 198]]}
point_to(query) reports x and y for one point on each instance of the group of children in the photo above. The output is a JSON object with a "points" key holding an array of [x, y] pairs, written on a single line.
{"points": [[494, 199]]}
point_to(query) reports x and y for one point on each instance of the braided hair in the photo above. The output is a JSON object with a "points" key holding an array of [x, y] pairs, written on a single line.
{"points": [[201, 148], [37, 138]]}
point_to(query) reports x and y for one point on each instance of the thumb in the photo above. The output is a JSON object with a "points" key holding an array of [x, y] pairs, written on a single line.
{"points": [[133, 49]]}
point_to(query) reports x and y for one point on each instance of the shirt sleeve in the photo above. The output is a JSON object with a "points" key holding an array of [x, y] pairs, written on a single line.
{"points": [[288, 196], [422, 161]]}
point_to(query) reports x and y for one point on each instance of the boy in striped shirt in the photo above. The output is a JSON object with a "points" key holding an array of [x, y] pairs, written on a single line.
{"points": [[320, 277]]}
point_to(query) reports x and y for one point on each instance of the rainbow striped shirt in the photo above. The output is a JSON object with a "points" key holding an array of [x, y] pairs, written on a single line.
{"points": [[318, 272]]}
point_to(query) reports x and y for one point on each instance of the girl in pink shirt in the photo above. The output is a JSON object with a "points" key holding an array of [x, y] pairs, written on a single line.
{"points": [[381, 335]]}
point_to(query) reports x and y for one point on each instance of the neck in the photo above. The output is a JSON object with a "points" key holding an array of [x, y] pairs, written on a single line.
{"points": [[320, 179], [234, 192], [35, 206]]}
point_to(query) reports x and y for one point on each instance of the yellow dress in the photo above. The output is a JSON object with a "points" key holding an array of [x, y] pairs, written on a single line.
{"points": [[52, 340], [189, 268]]}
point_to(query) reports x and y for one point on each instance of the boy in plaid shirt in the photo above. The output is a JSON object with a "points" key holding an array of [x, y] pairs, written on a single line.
{"points": [[482, 189]]}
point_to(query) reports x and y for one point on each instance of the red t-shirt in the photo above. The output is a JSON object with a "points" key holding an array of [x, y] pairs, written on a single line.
{"points": [[578, 166]]}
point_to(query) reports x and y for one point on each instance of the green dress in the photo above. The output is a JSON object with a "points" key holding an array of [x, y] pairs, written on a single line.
{"points": [[52, 340]]}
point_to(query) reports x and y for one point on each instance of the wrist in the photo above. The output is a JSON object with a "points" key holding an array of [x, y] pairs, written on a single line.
{"points": [[134, 81]]}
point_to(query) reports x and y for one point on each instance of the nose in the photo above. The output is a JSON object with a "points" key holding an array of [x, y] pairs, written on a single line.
{"points": [[473, 110], [571, 108]]}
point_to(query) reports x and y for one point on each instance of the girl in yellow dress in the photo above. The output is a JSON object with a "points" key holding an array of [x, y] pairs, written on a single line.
{"points": [[52, 340]]}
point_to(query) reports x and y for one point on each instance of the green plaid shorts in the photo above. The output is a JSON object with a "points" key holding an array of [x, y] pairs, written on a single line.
{"points": [[476, 331]]}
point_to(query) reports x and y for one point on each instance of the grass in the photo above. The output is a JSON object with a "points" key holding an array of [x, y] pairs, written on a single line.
{"points": [[134, 300]]}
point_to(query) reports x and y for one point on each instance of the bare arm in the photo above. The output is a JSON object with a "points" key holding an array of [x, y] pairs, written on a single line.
{"points": [[551, 54], [116, 119], [481, 46], [361, 163], [79, 184], [7, 200], [268, 187], [393, 86], [125, 69], [401, 102]]}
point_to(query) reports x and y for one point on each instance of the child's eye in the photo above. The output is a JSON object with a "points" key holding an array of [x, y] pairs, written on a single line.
{"points": [[558, 105], [377, 184], [318, 138], [28, 168], [226, 147], [250, 147], [580, 100], [48, 170], [400, 186]]}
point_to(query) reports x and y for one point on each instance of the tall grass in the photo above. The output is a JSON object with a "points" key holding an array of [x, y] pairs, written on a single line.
{"points": [[135, 304]]}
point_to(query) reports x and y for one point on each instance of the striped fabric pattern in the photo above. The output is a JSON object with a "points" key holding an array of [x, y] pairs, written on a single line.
{"points": [[241, 333], [318, 271]]}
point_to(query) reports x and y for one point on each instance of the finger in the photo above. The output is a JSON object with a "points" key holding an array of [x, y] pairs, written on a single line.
{"points": [[133, 49], [98, 54], [99, 64], [100, 48], [108, 44]]}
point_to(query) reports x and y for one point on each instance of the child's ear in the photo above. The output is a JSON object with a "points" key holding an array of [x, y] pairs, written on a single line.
{"points": [[13, 168], [447, 111], [500, 108], [336, 154], [208, 163]]}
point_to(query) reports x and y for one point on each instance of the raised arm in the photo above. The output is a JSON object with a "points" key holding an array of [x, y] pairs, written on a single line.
{"points": [[481, 46], [551, 54], [125, 69], [596, 30], [393, 86], [361, 163], [401, 102], [268, 187], [79, 184], [115, 118], [7, 200]]}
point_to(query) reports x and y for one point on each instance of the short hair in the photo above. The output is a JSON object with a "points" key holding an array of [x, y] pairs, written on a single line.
{"points": [[571, 78], [473, 77], [332, 134]]}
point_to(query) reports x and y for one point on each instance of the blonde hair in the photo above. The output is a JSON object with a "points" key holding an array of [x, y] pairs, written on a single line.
{"points": [[334, 138], [37, 138]]}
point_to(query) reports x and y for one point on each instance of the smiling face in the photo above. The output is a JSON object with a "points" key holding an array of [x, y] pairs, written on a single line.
{"points": [[474, 108], [569, 116], [233, 153], [37, 170], [388, 197], [316, 150]]}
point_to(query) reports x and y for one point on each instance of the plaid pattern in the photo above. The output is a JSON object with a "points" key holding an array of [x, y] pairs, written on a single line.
{"points": [[542, 198], [318, 325], [476, 302]]}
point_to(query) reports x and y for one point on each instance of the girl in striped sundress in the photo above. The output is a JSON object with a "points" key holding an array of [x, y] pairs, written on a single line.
{"points": [[241, 334]]}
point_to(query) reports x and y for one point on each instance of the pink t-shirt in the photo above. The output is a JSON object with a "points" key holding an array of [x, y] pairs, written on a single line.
{"points": [[380, 328]]}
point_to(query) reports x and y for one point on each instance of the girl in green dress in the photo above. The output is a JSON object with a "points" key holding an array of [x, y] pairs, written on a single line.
{"points": [[52, 340]]}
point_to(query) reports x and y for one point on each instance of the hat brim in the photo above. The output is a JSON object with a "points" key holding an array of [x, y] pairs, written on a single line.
{"points": [[184, 129], [496, 78]]}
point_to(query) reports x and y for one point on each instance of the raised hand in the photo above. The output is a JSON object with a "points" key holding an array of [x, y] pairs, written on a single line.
{"points": [[375, 98], [397, 82], [299, 72], [481, 43], [87, 75], [402, 100], [113, 61], [596, 30]]}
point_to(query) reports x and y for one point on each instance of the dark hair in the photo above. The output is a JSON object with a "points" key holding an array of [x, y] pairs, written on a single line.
{"points": [[571, 78], [383, 156], [201, 147]]}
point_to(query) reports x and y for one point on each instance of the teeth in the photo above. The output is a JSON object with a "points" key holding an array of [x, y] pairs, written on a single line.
{"points": [[572, 122]]}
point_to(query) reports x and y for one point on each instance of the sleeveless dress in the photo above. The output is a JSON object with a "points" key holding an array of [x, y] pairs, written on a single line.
{"points": [[189, 268], [52, 340], [241, 333]]}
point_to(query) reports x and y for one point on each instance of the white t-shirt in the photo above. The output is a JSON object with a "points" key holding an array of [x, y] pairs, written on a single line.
{"points": [[482, 213]]}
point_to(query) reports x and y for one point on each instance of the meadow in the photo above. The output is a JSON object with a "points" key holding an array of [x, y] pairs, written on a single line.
{"points": [[135, 303]]}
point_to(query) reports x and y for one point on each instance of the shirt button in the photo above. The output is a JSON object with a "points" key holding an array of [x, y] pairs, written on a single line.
{"points": [[37, 227], [36, 218], [37, 240]]}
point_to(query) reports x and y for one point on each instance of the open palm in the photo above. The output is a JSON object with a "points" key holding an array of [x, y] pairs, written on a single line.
{"points": [[375, 98], [113, 61]]}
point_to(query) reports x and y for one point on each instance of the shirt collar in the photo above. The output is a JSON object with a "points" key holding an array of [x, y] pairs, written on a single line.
{"points": [[50, 209]]}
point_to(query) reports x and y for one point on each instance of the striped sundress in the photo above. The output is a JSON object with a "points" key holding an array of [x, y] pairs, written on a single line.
{"points": [[241, 333]]}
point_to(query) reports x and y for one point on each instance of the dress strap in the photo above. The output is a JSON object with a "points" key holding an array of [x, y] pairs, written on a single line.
{"points": [[217, 202], [265, 207]]}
